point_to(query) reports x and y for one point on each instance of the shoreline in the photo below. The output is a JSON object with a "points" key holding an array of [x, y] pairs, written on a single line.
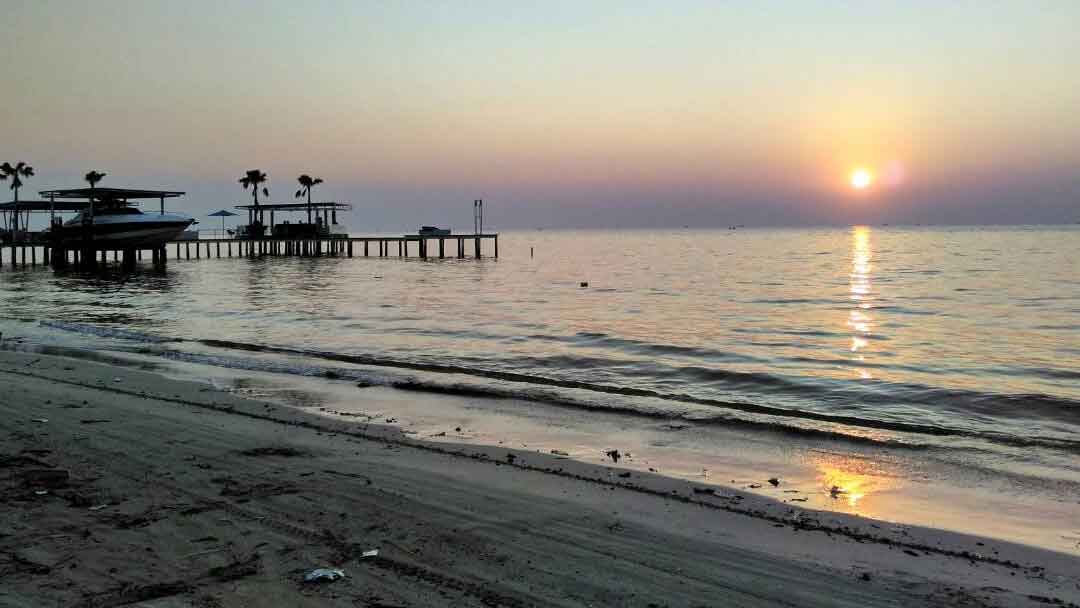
{"points": [[655, 514], [959, 489]]}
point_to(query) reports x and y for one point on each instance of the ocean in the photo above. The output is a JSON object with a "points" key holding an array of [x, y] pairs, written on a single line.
{"points": [[948, 340]]}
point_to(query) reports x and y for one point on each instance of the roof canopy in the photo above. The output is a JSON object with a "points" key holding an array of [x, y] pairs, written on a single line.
{"points": [[298, 206], [115, 194], [44, 206]]}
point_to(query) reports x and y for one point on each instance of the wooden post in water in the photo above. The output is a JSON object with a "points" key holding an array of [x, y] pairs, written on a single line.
{"points": [[476, 247], [442, 248], [33, 255], [496, 246]]}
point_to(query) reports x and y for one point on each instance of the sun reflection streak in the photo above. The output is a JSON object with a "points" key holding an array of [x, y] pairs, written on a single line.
{"points": [[852, 481], [860, 291]]}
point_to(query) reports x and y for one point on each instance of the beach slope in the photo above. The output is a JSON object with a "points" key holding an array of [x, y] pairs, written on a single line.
{"points": [[120, 486]]}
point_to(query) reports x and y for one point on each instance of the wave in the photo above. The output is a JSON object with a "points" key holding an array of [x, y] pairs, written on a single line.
{"points": [[105, 332], [530, 386]]}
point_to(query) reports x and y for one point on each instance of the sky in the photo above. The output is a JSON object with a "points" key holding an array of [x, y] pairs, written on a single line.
{"points": [[560, 114]]}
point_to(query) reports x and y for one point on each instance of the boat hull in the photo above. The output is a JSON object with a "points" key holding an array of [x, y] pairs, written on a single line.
{"points": [[138, 235]]}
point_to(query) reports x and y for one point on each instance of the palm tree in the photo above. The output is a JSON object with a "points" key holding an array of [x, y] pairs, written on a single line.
{"points": [[306, 184], [92, 178], [252, 179], [16, 173]]}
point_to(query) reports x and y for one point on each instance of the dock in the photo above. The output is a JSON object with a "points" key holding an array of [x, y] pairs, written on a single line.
{"points": [[257, 238], [29, 254]]}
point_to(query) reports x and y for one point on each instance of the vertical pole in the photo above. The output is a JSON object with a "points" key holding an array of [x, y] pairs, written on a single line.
{"points": [[218, 249], [442, 248], [33, 255], [476, 246], [349, 246], [365, 248], [496, 246], [187, 250]]}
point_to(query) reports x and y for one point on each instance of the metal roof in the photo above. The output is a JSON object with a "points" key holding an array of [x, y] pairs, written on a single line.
{"points": [[44, 206], [298, 206], [110, 193]]}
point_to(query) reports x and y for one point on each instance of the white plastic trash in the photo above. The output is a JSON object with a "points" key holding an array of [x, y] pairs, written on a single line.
{"points": [[319, 575], [372, 553]]}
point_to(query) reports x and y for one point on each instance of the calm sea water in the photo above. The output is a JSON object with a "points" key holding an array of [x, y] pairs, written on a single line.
{"points": [[910, 335]]}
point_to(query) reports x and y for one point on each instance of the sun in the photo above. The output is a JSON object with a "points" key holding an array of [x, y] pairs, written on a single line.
{"points": [[861, 179]]}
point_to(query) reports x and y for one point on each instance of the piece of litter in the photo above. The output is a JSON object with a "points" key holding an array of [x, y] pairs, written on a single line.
{"points": [[319, 575], [41, 492], [42, 420], [372, 553], [117, 379], [99, 507]]}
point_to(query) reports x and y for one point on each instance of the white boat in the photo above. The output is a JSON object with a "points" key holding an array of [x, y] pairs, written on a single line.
{"points": [[122, 227]]}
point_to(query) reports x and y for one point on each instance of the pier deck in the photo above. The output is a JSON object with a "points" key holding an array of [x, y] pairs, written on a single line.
{"points": [[427, 246]]}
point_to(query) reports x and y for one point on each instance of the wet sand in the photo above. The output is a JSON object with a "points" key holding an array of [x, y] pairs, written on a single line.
{"points": [[121, 486]]}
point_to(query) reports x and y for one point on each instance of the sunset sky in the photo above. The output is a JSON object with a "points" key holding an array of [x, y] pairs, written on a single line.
{"points": [[561, 114]]}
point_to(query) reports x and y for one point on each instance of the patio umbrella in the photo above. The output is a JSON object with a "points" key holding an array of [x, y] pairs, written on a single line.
{"points": [[222, 214]]}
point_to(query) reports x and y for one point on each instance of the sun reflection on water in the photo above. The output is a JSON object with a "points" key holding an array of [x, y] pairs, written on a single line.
{"points": [[860, 291], [851, 481]]}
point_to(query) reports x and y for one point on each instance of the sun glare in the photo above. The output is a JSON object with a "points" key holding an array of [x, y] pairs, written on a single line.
{"points": [[861, 179]]}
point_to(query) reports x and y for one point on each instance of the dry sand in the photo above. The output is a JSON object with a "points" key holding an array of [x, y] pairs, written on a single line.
{"points": [[124, 487]]}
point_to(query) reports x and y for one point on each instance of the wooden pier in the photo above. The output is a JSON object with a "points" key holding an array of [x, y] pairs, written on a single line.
{"points": [[426, 247]]}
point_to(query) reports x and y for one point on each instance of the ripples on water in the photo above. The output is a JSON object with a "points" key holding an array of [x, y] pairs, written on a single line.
{"points": [[970, 331]]}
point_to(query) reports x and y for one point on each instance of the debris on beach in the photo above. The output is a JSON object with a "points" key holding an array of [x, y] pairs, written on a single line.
{"points": [[704, 491], [613, 455], [283, 451], [754, 486], [836, 491], [560, 453], [41, 420], [370, 553], [510, 458], [774, 481], [320, 575], [584, 283]]}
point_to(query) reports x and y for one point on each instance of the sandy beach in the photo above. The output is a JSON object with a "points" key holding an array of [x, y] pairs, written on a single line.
{"points": [[125, 487]]}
